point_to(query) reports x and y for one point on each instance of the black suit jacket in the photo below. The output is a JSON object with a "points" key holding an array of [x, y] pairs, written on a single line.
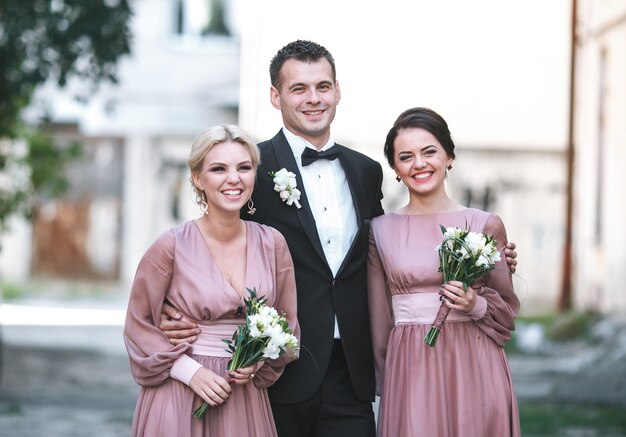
{"points": [[320, 296]]}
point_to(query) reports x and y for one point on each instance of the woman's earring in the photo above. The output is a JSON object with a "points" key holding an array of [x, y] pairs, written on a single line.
{"points": [[204, 207], [398, 179], [251, 208]]}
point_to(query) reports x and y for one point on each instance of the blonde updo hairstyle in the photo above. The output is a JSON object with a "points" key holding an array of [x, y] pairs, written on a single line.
{"points": [[211, 137]]}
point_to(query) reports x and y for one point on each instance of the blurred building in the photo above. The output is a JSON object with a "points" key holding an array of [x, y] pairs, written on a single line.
{"points": [[499, 72], [600, 157], [182, 76]]}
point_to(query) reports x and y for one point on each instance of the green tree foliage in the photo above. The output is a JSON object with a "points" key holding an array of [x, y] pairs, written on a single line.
{"points": [[51, 40], [47, 163], [12, 195]]}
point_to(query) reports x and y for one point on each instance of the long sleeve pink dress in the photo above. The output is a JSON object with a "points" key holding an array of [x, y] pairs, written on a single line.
{"points": [[179, 267], [462, 386]]}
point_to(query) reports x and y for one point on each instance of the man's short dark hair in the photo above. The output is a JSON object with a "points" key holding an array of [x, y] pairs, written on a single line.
{"points": [[300, 50]]}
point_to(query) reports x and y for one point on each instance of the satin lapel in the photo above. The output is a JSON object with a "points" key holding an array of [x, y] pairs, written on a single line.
{"points": [[352, 176], [285, 159]]}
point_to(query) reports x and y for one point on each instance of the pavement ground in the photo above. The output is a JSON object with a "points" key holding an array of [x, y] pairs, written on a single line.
{"points": [[65, 371]]}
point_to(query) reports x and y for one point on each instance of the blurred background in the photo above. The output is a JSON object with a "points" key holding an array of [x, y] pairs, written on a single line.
{"points": [[101, 99]]}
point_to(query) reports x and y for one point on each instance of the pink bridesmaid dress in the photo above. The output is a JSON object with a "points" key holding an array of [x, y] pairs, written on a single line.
{"points": [[462, 387], [179, 267]]}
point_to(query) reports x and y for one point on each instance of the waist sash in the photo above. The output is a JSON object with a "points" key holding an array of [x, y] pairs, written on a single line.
{"points": [[209, 340], [421, 308]]}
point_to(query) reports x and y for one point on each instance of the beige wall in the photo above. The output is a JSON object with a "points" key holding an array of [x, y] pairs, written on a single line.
{"points": [[600, 165], [497, 71]]}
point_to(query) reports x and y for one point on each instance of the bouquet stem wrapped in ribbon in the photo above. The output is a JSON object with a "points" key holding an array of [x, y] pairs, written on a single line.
{"points": [[265, 335], [463, 256]]}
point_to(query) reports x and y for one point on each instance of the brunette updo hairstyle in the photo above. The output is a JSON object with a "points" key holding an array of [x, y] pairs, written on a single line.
{"points": [[422, 118], [210, 138]]}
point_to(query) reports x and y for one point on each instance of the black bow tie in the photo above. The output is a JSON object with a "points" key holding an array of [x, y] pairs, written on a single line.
{"points": [[309, 155]]}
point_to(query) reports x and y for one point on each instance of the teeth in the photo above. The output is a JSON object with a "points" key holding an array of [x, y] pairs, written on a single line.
{"points": [[312, 112], [232, 192], [423, 175]]}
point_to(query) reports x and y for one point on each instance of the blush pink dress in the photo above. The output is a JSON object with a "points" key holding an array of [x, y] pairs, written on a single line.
{"points": [[179, 267], [462, 387]]}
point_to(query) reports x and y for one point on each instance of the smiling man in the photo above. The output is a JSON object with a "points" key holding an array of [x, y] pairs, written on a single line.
{"points": [[329, 391]]}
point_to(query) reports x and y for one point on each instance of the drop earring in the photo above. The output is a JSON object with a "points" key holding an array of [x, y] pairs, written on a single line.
{"points": [[251, 208], [204, 207], [398, 179]]}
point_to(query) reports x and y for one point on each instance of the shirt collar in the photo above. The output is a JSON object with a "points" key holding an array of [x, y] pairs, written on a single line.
{"points": [[298, 144]]}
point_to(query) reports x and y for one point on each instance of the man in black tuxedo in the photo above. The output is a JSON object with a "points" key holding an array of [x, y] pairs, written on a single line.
{"points": [[329, 390]]}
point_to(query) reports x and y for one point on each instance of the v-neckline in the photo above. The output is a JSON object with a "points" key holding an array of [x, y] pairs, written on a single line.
{"points": [[217, 267]]}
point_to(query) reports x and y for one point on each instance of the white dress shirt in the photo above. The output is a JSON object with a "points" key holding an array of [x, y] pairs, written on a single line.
{"points": [[330, 200]]}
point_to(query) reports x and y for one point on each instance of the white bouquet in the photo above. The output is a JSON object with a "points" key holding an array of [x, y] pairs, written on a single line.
{"points": [[463, 256], [265, 335]]}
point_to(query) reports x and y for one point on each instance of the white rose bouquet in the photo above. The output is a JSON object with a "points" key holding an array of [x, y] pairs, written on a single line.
{"points": [[463, 256], [265, 335], [285, 185]]}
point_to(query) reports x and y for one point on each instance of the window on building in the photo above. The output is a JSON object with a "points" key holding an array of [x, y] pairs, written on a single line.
{"points": [[481, 198], [200, 18]]}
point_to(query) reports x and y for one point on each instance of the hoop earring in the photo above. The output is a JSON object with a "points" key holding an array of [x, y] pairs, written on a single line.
{"points": [[251, 208], [398, 179]]}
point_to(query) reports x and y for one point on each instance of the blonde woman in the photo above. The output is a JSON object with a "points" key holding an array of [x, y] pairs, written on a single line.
{"points": [[203, 269]]}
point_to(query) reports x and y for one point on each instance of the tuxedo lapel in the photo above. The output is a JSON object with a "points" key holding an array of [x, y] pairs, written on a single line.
{"points": [[352, 176], [285, 159], [354, 183]]}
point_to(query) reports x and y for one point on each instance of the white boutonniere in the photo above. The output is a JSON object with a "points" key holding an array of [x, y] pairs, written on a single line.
{"points": [[285, 185]]}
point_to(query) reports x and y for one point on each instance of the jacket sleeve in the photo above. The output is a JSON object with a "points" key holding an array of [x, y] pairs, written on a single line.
{"points": [[497, 302], [380, 309], [150, 352], [378, 207], [285, 302]]}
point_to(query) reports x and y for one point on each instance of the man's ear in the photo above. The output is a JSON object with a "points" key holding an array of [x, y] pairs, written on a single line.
{"points": [[275, 97], [338, 92]]}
